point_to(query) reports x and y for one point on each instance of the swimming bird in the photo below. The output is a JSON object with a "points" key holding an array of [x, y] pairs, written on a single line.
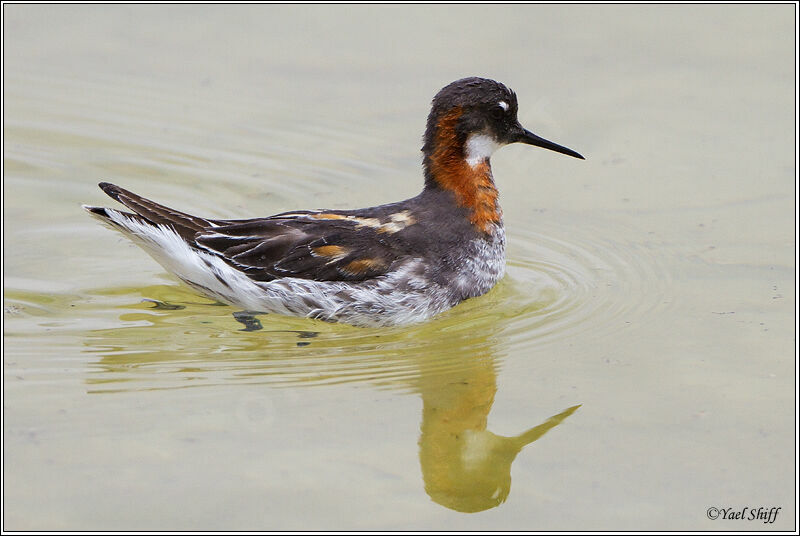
{"points": [[393, 264]]}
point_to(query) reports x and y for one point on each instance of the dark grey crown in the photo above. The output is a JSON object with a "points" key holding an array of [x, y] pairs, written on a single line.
{"points": [[472, 91]]}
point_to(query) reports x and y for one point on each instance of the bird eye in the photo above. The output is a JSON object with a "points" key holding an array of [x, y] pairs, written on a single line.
{"points": [[497, 112]]}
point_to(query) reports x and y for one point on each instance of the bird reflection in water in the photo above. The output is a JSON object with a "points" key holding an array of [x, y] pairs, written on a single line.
{"points": [[465, 466]]}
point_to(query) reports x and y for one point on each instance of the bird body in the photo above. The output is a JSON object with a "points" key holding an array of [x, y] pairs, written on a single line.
{"points": [[392, 264]]}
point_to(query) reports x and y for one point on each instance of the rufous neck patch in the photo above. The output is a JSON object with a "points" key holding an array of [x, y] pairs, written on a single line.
{"points": [[471, 183]]}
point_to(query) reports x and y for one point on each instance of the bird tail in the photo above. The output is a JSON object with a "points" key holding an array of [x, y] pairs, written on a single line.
{"points": [[146, 211]]}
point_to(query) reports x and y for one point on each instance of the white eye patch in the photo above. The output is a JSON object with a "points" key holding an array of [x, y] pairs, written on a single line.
{"points": [[503, 105]]}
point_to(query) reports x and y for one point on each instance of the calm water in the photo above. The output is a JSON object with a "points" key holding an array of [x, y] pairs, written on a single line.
{"points": [[634, 368]]}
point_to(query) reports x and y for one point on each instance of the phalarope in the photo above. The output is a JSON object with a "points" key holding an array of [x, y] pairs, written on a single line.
{"points": [[391, 264]]}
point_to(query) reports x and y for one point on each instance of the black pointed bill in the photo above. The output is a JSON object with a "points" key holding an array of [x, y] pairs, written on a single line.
{"points": [[526, 136]]}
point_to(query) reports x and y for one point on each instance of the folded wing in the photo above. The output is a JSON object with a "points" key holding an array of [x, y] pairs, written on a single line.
{"points": [[308, 245], [318, 245]]}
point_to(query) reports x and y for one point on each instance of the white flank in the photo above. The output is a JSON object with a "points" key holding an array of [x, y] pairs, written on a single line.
{"points": [[200, 270]]}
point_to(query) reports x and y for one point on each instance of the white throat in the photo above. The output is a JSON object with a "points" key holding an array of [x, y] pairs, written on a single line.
{"points": [[479, 148]]}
